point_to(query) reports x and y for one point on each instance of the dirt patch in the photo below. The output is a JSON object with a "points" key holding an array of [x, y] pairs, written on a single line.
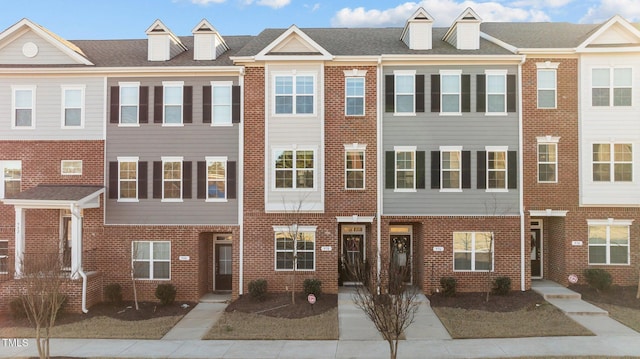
{"points": [[515, 300], [616, 295], [279, 305]]}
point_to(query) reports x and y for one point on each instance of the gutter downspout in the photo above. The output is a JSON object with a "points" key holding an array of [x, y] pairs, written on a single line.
{"points": [[378, 170], [521, 180], [240, 175], [76, 213]]}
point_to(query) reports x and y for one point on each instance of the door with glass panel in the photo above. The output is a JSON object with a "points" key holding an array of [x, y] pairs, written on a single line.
{"points": [[223, 267]]}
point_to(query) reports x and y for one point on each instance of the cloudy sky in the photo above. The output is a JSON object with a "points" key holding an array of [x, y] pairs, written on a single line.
{"points": [[113, 19]]}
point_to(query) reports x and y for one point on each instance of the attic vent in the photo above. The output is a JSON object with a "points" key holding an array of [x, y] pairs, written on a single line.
{"points": [[157, 29], [469, 17], [204, 28], [421, 18]]}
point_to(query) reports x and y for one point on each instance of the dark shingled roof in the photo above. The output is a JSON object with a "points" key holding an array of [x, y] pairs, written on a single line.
{"points": [[539, 34], [45, 192]]}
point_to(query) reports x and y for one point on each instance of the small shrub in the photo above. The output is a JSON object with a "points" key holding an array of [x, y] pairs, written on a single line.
{"points": [[312, 286], [16, 307], [448, 285], [258, 289], [598, 278], [166, 293], [502, 285], [113, 293]]}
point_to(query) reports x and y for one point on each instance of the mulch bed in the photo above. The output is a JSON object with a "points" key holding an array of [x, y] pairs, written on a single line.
{"points": [[616, 295], [514, 301], [123, 311], [279, 305]]}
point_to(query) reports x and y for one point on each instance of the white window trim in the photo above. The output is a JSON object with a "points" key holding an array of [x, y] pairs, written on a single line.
{"points": [[488, 73], [5, 257], [611, 87], [397, 149], [152, 260], [215, 84], [473, 252], [547, 68], [173, 159], [224, 160], [136, 85], [546, 140], [363, 97], [82, 89], [442, 170], [504, 149], [294, 74], [62, 171], [166, 84], [397, 73], [609, 222], [442, 93], [129, 159], [290, 230], [612, 162], [295, 150], [15, 88], [356, 147], [4, 164]]}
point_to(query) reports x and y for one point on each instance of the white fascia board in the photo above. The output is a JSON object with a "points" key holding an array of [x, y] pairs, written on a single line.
{"points": [[428, 59], [141, 71], [296, 58], [547, 51], [616, 19], [262, 55], [609, 49], [499, 42]]}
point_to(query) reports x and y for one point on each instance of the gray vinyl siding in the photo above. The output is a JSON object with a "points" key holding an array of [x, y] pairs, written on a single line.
{"points": [[48, 108], [47, 53], [193, 141], [471, 130]]}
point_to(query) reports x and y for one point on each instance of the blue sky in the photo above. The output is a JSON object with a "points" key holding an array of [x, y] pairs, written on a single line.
{"points": [[125, 19]]}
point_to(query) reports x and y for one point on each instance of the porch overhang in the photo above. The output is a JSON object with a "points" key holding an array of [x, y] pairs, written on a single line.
{"points": [[354, 219], [548, 213], [57, 197]]}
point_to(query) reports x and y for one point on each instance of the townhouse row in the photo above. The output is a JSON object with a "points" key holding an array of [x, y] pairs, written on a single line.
{"points": [[209, 161]]}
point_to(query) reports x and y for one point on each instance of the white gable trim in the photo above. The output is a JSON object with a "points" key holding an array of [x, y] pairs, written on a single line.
{"points": [[264, 54], [75, 53], [617, 19], [467, 12], [160, 25], [419, 15], [206, 24]]}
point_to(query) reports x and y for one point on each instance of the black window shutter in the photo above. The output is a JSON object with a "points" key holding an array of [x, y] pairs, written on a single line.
{"points": [[186, 179], [512, 171], [435, 169], [511, 93], [419, 93], [420, 170], [206, 105], [481, 93], [202, 179], [157, 179], [389, 170], [142, 180], [143, 109], [435, 93], [231, 179], [114, 115], [113, 179], [465, 105], [389, 94], [235, 104], [482, 169], [187, 104], [157, 106], [466, 169]]}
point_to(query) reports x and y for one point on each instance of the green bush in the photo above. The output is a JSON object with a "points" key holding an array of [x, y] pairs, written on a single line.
{"points": [[166, 293], [502, 285], [16, 307], [258, 289], [598, 278], [312, 286], [448, 285], [113, 293]]}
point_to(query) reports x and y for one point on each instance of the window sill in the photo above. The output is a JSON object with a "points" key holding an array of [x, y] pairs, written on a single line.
{"points": [[609, 264], [450, 113], [407, 114], [172, 200], [497, 190], [214, 200], [23, 127], [355, 189], [150, 279], [230, 124], [472, 270], [297, 270], [172, 125], [405, 190], [450, 189], [81, 127], [127, 200], [357, 116], [128, 125], [496, 114], [547, 182]]}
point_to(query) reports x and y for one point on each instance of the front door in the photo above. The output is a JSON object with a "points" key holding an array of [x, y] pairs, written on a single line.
{"points": [[352, 249], [223, 266], [400, 249], [65, 241], [536, 249]]}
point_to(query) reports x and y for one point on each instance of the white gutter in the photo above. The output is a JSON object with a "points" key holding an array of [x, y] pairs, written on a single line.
{"points": [[76, 213], [520, 179], [240, 185], [142, 71], [379, 171]]}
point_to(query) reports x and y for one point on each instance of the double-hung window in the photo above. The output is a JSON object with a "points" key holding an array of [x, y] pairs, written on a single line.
{"points": [[354, 96], [405, 169], [612, 162], [451, 168], [128, 178], [496, 169], [129, 102], [611, 87], [216, 178], [23, 107], [71, 167], [295, 243], [221, 102], [496, 91], [173, 102], [171, 178], [11, 177], [354, 166], [73, 106], [472, 251], [609, 241], [151, 260], [294, 94], [450, 91], [405, 91], [546, 85], [4, 257], [547, 162], [294, 169]]}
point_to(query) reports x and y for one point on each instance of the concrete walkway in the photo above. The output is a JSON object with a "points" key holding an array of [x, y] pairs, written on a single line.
{"points": [[200, 319], [425, 339]]}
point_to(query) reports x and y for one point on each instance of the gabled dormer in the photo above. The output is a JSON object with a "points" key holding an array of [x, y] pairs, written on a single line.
{"points": [[617, 34], [162, 44], [207, 42], [27, 43], [418, 31], [464, 34], [294, 44]]}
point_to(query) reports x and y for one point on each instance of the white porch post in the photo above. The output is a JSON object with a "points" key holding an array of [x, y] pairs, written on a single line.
{"points": [[76, 241], [19, 239]]}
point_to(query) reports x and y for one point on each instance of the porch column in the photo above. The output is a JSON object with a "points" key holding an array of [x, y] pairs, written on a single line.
{"points": [[76, 241], [19, 241]]}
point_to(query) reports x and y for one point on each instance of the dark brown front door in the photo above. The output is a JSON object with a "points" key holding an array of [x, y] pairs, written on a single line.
{"points": [[353, 254], [401, 254], [223, 267], [536, 246]]}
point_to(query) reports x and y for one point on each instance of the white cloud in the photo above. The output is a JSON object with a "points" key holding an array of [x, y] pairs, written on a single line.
{"points": [[312, 8], [443, 11], [541, 3], [276, 4], [207, 2], [628, 9]]}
